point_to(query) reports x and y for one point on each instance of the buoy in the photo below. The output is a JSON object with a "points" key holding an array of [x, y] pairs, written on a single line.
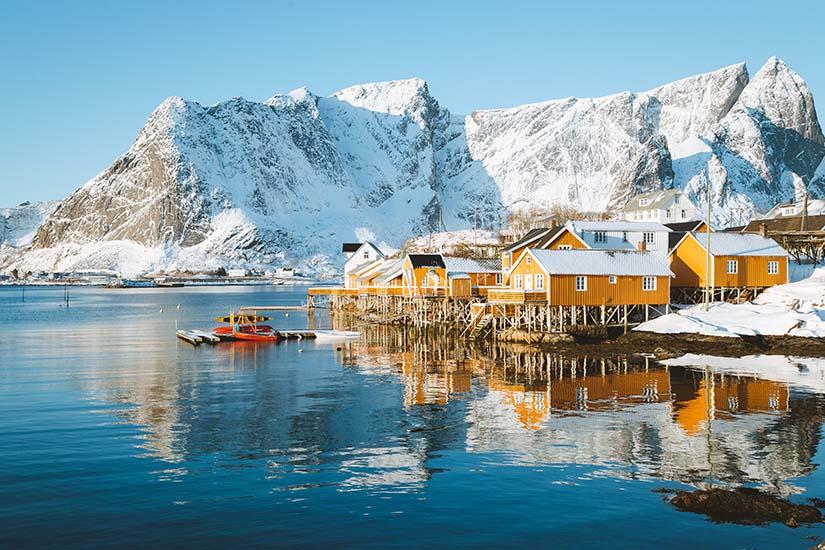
{"points": [[161, 310], [286, 314], [300, 351], [178, 306]]}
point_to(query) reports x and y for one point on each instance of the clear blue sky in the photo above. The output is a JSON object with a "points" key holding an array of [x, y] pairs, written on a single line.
{"points": [[78, 79]]}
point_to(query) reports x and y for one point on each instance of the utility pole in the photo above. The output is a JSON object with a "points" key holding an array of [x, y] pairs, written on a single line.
{"points": [[707, 250]]}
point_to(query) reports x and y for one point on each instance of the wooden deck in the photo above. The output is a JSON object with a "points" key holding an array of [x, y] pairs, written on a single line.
{"points": [[505, 295]]}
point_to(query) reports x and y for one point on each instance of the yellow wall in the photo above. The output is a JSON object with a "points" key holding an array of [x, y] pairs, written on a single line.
{"points": [[752, 271], [566, 238], [688, 264], [627, 290]]}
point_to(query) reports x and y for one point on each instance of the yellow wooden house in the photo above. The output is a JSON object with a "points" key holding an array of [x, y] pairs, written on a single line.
{"points": [[737, 260], [588, 278]]}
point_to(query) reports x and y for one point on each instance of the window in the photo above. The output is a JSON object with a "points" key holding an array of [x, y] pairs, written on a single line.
{"points": [[581, 283], [528, 282], [650, 238], [565, 247], [773, 267], [790, 211], [540, 281], [528, 260], [676, 199], [648, 283], [498, 279], [600, 237], [684, 215], [644, 202], [366, 254], [669, 213], [624, 236], [517, 281], [612, 279], [732, 267]]}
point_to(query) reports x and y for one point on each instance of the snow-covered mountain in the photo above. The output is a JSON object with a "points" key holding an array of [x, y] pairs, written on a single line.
{"points": [[18, 224], [286, 180]]}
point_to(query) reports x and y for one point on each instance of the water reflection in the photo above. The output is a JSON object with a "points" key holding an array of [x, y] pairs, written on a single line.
{"points": [[632, 416]]}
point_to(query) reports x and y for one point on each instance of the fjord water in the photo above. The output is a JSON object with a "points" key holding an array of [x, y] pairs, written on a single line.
{"points": [[114, 433]]}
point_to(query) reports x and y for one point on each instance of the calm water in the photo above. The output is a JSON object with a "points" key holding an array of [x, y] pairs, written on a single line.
{"points": [[114, 433]]}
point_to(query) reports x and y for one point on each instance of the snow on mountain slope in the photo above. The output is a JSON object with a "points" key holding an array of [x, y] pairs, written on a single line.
{"points": [[765, 150], [18, 224], [285, 181]]}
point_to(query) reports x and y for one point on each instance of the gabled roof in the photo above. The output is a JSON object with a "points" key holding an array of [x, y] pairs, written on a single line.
{"points": [[691, 225], [426, 260], [602, 262], [531, 236], [472, 265], [350, 247], [658, 199], [738, 244], [389, 271], [616, 225]]}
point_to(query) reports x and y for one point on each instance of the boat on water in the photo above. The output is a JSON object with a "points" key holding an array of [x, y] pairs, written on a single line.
{"points": [[256, 333], [245, 326]]}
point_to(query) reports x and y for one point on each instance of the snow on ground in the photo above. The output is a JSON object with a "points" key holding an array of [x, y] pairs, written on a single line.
{"points": [[795, 309]]}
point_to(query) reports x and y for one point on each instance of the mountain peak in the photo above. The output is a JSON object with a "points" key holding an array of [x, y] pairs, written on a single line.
{"points": [[393, 97]]}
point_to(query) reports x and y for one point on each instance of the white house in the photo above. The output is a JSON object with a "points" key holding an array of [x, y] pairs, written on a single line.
{"points": [[621, 235], [365, 254], [816, 207], [666, 206]]}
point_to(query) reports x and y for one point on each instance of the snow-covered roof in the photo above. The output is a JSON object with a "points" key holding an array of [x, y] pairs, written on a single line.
{"points": [[457, 275], [656, 199], [390, 271], [616, 225], [472, 265], [602, 262], [739, 244]]}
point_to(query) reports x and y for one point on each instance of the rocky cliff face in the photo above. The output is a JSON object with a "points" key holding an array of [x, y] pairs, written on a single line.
{"points": [[285, 181]]}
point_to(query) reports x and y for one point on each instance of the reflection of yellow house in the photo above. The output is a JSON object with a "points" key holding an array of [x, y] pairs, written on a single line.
{"points": [[530, 405], [597, 392], [729, 395]]}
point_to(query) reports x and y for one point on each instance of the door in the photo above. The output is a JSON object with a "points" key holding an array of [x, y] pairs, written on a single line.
{"points": [[528, 282]]}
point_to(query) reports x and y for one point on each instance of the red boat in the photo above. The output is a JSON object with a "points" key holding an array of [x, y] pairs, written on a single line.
{"points": [[257, 333]]}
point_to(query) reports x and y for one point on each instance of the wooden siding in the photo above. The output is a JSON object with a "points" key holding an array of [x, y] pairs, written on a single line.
{"points": [[688, 263], [627, 290], [566, 238], [751, 271]]}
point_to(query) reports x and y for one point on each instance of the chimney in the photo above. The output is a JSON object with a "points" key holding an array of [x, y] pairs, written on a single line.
{"points": [[641, 246], [763, 229]]}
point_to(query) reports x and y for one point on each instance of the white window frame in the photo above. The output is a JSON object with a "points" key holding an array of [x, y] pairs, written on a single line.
{"points": [[499, 279], [648, 283], [676, 199], [649, 237], [669, 213], [517, 282], [773, 267], [581, 283], [684, 214], [612, 279], [539, 281], [528, 281], [565, 247], [366, 254], [599, 236], [624, 236], [528, 260], [734, 264], [644, 202]]}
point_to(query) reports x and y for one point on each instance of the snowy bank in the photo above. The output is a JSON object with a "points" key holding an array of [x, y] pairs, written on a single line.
{"points": [[795, 309]]}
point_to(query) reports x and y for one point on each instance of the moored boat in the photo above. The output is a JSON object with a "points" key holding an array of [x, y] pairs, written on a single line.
{"points": [[258, 333]]}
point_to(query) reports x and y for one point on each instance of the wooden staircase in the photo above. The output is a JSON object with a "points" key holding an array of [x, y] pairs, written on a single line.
{"points": [[481, 328]]}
